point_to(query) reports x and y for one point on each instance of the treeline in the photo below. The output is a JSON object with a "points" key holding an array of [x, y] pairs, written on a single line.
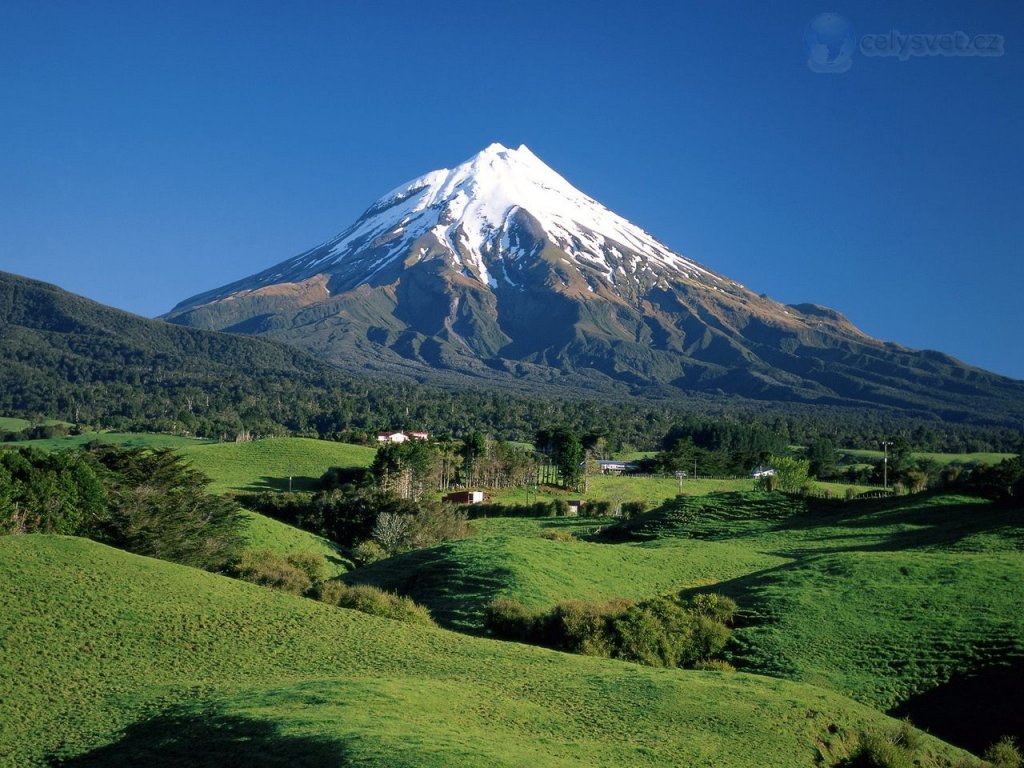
{"points": [[151, 503], [373, 513], [68, 358], [553, 508]]}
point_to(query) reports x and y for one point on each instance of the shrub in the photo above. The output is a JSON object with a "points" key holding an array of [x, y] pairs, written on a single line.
{"points": [[581, 627], [714, 665], [310, 564], [633, 508], [643, 634], [435, 523], [662, 632], [367, 552], [715, 607], [560, 507], [509, 619], [850, 494], [706, 639], [597, 508], [1004, 754], [375, 602], [894, 750], [269, 569]]}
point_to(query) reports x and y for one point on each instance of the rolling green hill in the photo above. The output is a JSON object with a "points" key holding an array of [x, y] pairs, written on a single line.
{"points": [[261, 532], [127, 439], [113, 659], [890, 601], [265, 465], [510, 557]]}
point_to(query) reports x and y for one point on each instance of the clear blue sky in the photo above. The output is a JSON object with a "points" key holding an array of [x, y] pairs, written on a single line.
{"points": [[153, 150]]}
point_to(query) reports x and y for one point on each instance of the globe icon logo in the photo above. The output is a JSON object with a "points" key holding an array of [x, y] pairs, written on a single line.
{"points": [[829, 42]]}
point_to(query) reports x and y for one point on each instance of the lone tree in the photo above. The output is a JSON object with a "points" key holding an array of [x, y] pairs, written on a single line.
{"points": [[790, 474]]}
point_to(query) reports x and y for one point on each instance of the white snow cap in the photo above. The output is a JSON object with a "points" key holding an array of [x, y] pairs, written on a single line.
{"points": [[468, 208]]}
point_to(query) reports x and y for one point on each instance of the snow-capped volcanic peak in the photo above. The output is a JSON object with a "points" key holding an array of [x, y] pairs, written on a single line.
{"points": [[467, 211]]}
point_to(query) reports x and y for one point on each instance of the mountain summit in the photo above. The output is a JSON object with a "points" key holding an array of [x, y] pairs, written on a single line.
{"points": [[501, 268], [488, 218]]}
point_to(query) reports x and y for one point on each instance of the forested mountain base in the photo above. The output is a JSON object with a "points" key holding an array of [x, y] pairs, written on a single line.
{"points": [[73, 359]]}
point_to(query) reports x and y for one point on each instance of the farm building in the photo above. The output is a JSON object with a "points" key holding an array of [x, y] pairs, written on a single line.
{"points": [[762, 471], [401, 437], [465, 497], [575, 505], [613, 467]]}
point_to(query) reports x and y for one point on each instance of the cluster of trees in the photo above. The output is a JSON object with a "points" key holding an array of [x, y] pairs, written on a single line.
{"points": [[409, 469], [672, 631], [553, 508], [1004, 481], [718, 447], [150, 502], [376, 512]]}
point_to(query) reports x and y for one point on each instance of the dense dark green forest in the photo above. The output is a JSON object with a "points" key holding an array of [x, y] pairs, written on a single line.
{"points": [[65, 357]]}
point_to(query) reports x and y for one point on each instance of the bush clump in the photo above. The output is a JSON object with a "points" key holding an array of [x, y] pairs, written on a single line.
{"points": [[510, 620], [1004, 754], [296, 574], [375, 602], [634, 508], [663, 632]]}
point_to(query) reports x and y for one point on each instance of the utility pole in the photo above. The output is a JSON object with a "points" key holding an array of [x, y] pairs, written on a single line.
{"points": [[885, 463], [680, 475]]}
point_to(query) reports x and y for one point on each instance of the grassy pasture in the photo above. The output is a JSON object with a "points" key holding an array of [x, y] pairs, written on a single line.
{"points": [[866, 456], [127, 439], [894, 602], [13, 424], [262, 532], [509, 557], [113, 659], [265, 465], [650, 489]]}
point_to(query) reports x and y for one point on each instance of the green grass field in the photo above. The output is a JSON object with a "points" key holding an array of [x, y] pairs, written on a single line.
{"points": [[650, 489], [941, 458], [265, 465], [113, 659], [128, 439], [262, 532], [509, 557], [12, 424], [893, 602]]}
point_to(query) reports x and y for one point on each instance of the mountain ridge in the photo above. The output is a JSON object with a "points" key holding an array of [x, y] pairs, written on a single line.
{"points": [[500, 268]]}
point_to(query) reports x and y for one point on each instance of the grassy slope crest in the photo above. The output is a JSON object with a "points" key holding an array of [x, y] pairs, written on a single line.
{"points": [[111, 658]]}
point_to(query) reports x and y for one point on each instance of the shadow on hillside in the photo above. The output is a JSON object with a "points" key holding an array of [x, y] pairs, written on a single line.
{"points": [[821, 526], [211, 740], [280, 484], [455, 592], [901, 523], [972, 711]]}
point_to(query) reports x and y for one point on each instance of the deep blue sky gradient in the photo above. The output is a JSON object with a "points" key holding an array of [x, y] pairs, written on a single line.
{"points": [[150, 151]]}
